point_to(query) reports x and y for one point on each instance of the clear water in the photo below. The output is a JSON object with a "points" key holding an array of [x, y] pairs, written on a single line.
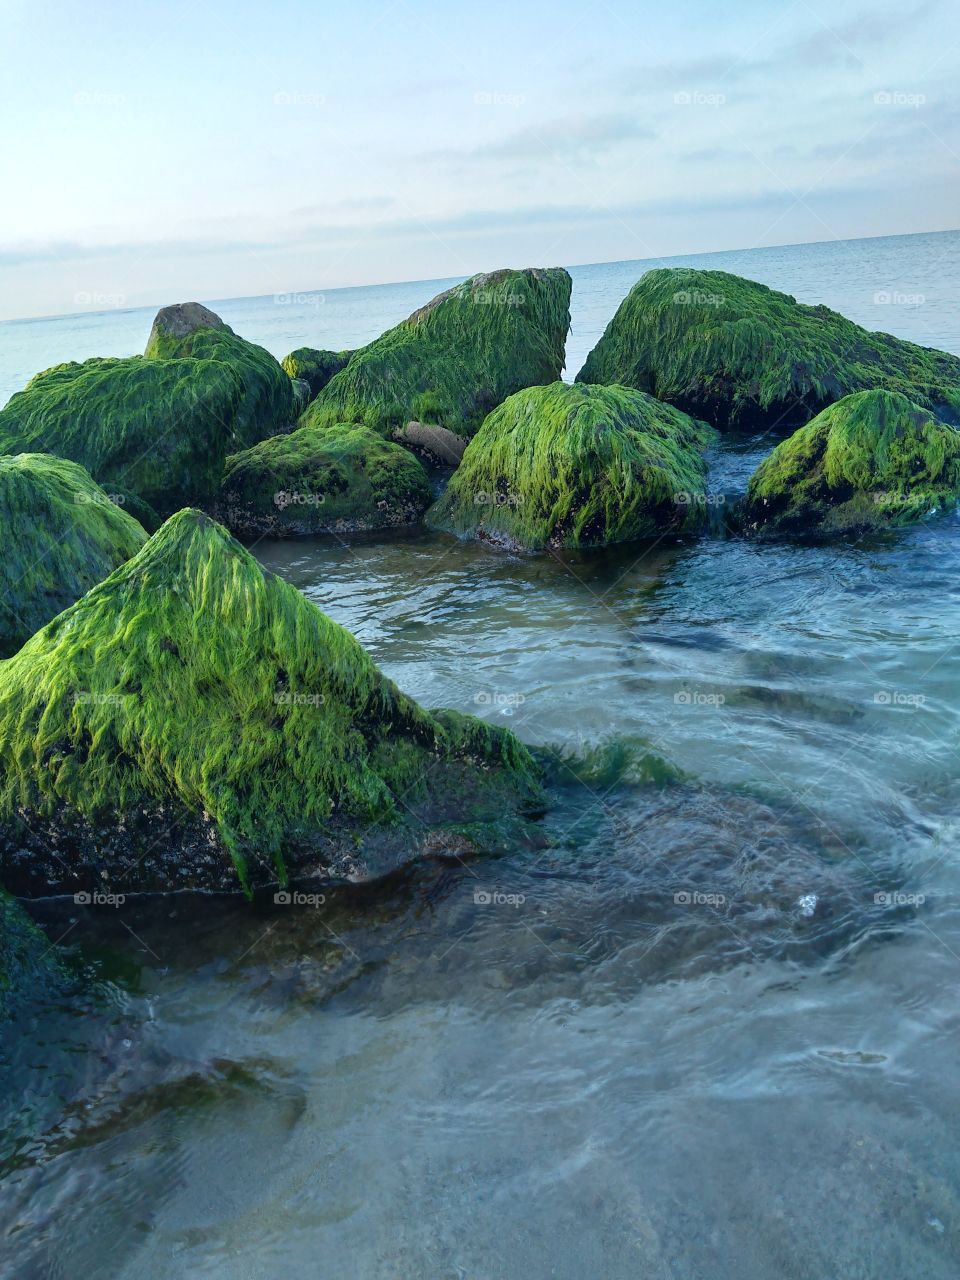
{"points": [[711, 1029]]}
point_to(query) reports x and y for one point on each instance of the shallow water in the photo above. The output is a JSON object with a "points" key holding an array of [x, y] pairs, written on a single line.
{"points": [[702, 1029]]}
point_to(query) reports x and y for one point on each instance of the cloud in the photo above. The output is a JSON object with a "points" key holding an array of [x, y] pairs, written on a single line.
{"points": [[570, 138]]}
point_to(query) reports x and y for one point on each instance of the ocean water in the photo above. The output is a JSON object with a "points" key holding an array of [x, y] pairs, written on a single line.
{"points": [[702, 1031]]}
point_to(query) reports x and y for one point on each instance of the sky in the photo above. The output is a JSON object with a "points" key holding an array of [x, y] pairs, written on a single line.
{"points": [[154, 154]]}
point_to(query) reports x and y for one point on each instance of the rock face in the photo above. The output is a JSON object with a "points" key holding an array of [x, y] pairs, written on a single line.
{"points": [[872, 460], [458, 357], [577, 466], [193, 722], [320, 480], [742, 355], [316, 368], [157, 427], [267, 404], [62, 534]]}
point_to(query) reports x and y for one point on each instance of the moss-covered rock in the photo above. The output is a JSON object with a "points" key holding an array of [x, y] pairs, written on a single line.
{"points": [[29, 967], [458, 357], [314, 367], [872, 460], [577, 466], [159, 429], [188, 329], [323, 479], [62, 534], [195, 722], [743, 355]]}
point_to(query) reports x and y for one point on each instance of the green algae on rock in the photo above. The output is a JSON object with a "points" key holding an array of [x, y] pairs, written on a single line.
{"points": [[340, 479], [194, 722], [62, 534], [456, 358], [188, 329], [314, 367], [740, 354], [872, 460], [159, 429], [576, 466]]}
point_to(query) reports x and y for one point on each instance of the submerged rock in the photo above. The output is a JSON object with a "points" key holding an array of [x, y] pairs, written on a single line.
{"points": [[194, 722], [314, 367], [28, 963], [458, 357], [743, 355], [577, 466], [189, 329], [870, 461], [62, 534], [323, 479]]}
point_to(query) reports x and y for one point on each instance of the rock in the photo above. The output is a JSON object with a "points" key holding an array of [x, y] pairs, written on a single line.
{"points": [[316, 368], [179, 320], [576, 466], [28, 963], [62, 535], [872, 460], [194, 722], [457, 358], [159, 429], [189, 329], [742, 355], [436, 446], [301, 395], [321, 480]]}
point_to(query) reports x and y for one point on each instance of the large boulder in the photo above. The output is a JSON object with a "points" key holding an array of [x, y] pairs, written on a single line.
{"points": [[872, 460], [268, 403], [743, 355], [577, 466], [159, 429], [458, 357], [314, 367], [342, 479], [195, 722], [62, 534]]}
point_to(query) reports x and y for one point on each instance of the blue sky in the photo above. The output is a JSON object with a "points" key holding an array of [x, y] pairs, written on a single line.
{"points": [[151, 154]]}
